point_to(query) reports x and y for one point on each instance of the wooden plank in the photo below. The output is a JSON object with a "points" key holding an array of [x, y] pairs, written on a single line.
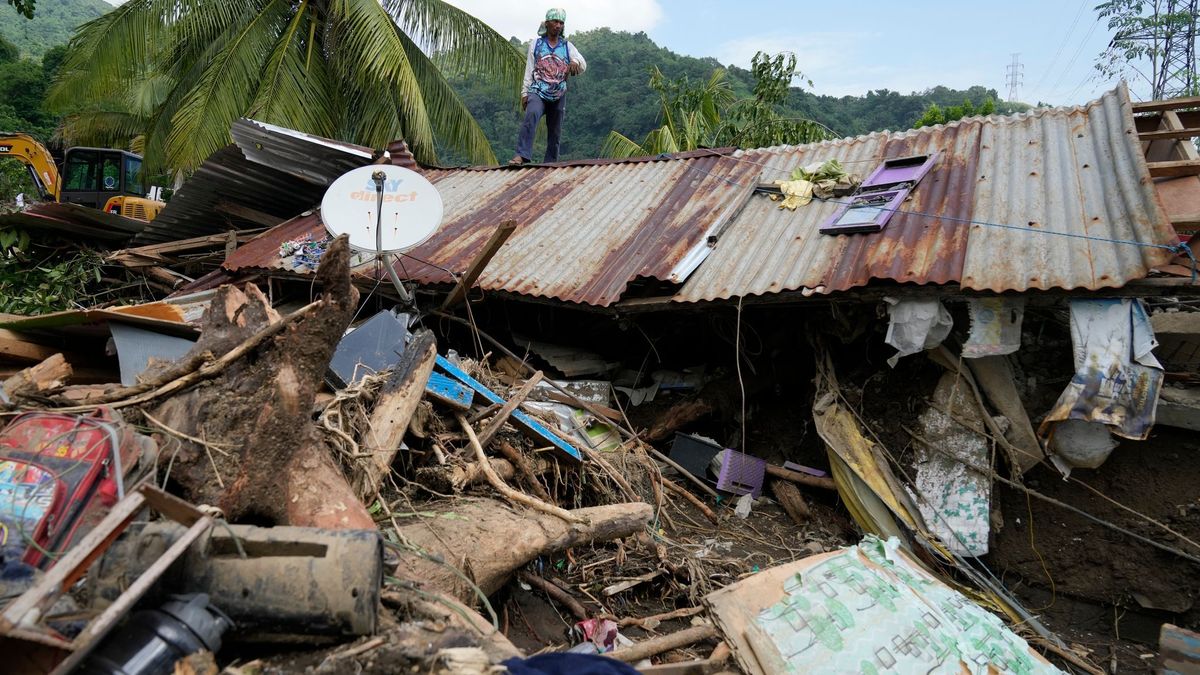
{"points": [[522, 421], [73, 565], [101, 625], [1174, 169], [14, 346], [508, 408], [1167, 104], [449, 391], [493, 245], [1168, 134], [1179, 649]]}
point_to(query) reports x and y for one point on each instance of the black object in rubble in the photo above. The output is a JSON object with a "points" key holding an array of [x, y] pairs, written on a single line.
{"points": [[151, 641]]}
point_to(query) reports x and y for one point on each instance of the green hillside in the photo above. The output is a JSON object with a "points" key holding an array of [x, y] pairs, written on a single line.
{"points": [[53, 24], [614, 95]]}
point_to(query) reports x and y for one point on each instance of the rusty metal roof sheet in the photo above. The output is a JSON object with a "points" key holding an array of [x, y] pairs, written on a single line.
{"points": [[80, 222], [586, 230], [1077, 171], [583, 232], [210, 201]]}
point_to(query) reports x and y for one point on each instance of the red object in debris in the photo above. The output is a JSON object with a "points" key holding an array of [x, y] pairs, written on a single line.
{"points": [[57, 472]]}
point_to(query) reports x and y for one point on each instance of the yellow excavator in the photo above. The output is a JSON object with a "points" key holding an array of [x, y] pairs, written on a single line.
{"points": [[101, 178]]}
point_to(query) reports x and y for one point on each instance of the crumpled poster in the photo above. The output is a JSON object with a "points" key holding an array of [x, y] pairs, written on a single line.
{"points": [[995, 326], [916, 325], [954, 500], [867, 609], [1117, 378]]}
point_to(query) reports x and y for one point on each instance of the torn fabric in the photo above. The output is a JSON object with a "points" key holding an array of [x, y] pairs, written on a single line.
{"points": [[916, 325], [1117, 378]]}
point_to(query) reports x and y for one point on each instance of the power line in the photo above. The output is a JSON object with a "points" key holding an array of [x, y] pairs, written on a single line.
{"points": [[1061, 43], [1075, 56]]}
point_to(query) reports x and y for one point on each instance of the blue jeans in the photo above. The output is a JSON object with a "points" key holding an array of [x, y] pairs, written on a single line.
{"points": [[554, 112]]}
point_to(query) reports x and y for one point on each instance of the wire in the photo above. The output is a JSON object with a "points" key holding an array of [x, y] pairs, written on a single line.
{"points": [[1180, 248], [1062, 43], [737, 357]]}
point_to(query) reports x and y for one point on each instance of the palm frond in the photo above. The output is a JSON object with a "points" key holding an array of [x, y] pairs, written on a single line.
{"points": [[226, 89], [450, 117], [619, 146], [107, 52], [468, 44]]}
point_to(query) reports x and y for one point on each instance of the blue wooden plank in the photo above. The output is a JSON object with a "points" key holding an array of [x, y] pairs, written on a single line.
{"points": [[449, 391], [519, 419]]}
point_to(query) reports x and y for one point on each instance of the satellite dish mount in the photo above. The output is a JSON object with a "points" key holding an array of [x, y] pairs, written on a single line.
{"points": [[384, 209]]}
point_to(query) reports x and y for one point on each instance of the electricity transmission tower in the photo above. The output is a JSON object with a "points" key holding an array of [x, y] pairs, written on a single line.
{"points": [[1016, 76], [1177, 75], [1167, 36]]}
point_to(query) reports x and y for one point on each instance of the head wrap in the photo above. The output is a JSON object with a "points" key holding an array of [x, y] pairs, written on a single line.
{"points": [[556, 14]]}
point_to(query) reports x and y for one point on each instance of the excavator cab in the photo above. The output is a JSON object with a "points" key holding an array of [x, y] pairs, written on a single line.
{"points": [[90, 176], [107, 179]]}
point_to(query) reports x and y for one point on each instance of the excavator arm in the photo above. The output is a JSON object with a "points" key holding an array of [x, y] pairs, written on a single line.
{"points": [[36, 158]]}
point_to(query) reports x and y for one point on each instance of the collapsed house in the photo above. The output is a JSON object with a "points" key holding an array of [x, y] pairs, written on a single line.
{"points": [[723, 397]]}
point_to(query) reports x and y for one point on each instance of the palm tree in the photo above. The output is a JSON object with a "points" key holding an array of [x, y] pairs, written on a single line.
{"points": [[180, 72], [710, 116]]}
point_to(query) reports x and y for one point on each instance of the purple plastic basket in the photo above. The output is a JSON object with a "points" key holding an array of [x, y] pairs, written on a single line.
{"points": [[741, 474]]}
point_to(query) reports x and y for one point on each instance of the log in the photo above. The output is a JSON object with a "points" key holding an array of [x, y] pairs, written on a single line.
{"points": [[518, 460], [506, 411], [37, 380], [677, 489], [792, 501], [557, 594], [822, 482], [489, 541], [394, 407], [664, 643], [260, 400]]}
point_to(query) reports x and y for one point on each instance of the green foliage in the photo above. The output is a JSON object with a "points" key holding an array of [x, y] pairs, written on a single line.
{"points": [[179, 72], [23, 7], [1141, 35], [614, 94], [710, 116], [935, 114], [36, 278], [52, 24]]}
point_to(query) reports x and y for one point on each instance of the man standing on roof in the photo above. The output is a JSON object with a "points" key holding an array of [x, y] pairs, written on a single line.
{"points": [[551, 59]]}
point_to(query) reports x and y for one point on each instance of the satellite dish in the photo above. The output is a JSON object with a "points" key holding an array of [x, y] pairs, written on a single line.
{"points": [[411, 208]]}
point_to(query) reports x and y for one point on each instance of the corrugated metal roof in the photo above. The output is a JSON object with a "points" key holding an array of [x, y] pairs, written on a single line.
{"points": [[227, 177], [585, 230], [310, 158], [1074, 170], [82, 222]]}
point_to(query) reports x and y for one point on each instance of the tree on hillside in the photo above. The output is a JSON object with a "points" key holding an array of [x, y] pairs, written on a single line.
{"points": [[180, 72], [24, 7], [709, 115], [1155, 42], [935, 114]]}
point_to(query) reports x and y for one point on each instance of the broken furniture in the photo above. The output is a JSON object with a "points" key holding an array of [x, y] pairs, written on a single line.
{"points": [[31, 646]]}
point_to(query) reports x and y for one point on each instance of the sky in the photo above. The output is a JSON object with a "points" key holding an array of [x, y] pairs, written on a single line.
{"points": [[850, 48]]}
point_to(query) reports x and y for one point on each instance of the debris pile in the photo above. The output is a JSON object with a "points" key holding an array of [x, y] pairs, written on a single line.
{"points": [[276, 461]]}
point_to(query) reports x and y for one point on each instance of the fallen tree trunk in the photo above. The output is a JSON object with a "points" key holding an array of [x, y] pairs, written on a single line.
{"points": [[261, 402], [394, 407], [792, 501], [488, 541], [38, 380]]}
